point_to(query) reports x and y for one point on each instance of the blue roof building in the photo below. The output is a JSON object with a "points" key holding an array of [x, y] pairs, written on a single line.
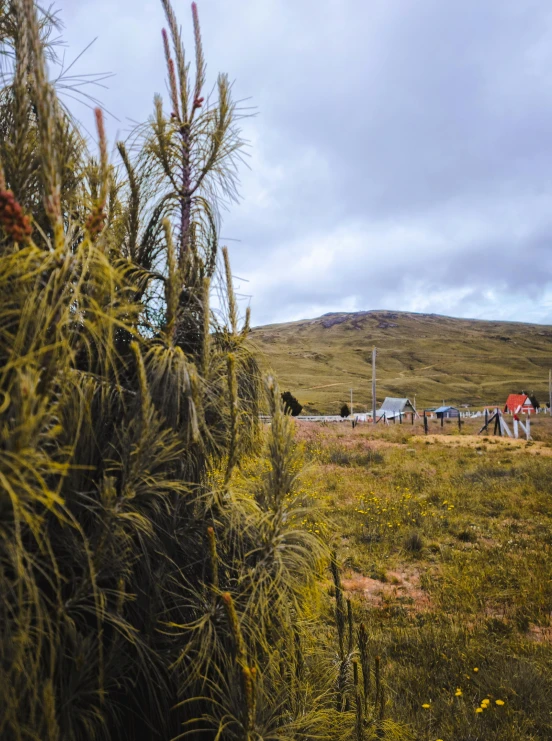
{"points": [[447, 412]]}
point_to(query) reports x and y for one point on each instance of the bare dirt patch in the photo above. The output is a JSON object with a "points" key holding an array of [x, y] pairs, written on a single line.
{"points": [[540, 634], [402, 587]]}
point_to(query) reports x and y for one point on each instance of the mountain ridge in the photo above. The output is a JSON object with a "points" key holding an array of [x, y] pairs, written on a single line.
{"points": [[431, 356]]}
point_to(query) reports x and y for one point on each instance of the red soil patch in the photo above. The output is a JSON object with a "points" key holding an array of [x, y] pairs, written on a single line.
{"points": [[402, 587]]}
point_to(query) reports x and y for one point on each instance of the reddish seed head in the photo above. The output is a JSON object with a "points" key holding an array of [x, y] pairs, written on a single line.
{"points": [[12, 219]]}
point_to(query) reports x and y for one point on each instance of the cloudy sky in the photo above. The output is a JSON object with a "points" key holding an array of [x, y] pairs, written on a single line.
{"points": [[401, 155]]}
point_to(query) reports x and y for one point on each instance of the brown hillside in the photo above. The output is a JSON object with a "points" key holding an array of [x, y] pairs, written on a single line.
{"points": [[432, 357]]}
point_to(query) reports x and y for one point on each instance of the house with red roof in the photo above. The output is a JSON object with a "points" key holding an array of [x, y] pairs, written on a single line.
{"points": [[519, 404]]}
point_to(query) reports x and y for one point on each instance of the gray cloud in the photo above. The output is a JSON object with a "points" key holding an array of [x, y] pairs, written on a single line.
{"points": [[401, 155]]}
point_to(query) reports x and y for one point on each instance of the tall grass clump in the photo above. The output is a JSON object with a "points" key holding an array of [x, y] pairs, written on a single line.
{"points": [[149, 589]]}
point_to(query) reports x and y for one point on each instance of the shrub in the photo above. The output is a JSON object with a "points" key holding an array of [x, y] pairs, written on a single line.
{"points": [[345, 411], [342, 456], [414, 542], [291, 405], [467, 535], [149, 588], [498, 627]]}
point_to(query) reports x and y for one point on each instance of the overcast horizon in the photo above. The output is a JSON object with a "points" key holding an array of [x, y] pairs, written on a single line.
{"points": [[400, 157]]}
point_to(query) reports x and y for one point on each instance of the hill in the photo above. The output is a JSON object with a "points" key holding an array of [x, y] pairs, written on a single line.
{"points": [[435, 358]]}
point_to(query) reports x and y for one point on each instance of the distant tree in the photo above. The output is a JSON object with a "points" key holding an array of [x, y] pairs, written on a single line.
{"points": [[291, 405], [345, 411]]}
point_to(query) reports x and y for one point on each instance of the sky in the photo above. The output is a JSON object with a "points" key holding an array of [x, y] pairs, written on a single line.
{"points": [[400, 156]]}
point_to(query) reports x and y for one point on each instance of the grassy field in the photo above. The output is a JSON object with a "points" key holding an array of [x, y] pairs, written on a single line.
{"points": [[445, 545], [434, 358]]}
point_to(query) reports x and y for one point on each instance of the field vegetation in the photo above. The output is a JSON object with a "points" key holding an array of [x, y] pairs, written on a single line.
{"points": [[446, 553]]}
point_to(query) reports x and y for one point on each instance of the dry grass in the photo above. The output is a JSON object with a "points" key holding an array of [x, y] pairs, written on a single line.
{"points": [[447, 555]]}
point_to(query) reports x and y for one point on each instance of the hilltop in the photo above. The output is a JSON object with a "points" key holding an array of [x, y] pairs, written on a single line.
{"points": [[432, 357]]}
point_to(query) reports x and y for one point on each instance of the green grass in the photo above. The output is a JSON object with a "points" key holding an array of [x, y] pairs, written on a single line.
{"points": [[435, 358], [447, 555]]}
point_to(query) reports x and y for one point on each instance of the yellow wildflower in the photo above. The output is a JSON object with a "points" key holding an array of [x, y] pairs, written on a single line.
{"points": [[458, 692], [499, 702], [478, 710], [475, 669], [426, 705]]}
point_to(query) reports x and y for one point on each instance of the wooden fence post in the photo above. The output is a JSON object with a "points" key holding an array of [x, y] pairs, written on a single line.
{"points": [[425, 423]]}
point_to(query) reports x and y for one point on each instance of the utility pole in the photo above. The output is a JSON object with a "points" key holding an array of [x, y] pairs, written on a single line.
{"points": [[351, 402], [374, 385]]}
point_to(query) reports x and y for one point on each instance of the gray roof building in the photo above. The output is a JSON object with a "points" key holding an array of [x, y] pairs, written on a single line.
{"points": [[393, 405]]}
